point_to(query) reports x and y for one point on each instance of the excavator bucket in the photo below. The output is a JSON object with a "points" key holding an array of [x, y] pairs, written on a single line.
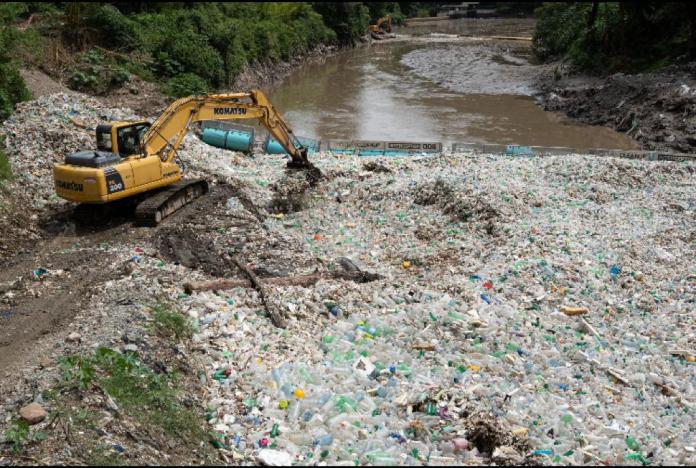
{"points": [[300, 162]]}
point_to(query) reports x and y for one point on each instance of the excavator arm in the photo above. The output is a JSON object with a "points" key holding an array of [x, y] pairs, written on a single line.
{"points": [[387, 20], [167, 132]]}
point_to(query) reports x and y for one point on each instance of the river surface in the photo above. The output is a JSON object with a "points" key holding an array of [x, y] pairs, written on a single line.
{"points": [[430, 89]]}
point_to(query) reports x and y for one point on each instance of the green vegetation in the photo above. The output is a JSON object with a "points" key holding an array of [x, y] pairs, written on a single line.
{"points": [[419, 9], [96, 73], [612, 36], [170, 322], [151, 398], [12, 88], [5, 169], [187, 47], [18, 435], [348, 20], [185, 84], [516, 8]]}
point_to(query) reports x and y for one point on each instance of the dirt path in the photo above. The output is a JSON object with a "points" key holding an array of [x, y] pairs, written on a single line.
{"points": [[40, 84], [45, 287], [98, 285], [55, 279]]}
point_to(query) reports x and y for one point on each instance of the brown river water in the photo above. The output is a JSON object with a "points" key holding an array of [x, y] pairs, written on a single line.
{"points": [[430, 88]]}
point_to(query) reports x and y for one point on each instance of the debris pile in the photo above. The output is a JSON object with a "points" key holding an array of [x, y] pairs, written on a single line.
{"points": [[551, 338], [565, 334], [41, 132]]}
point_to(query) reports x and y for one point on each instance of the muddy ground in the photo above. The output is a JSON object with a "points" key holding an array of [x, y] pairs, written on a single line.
{"points": [[657, 109], [76, 288]]}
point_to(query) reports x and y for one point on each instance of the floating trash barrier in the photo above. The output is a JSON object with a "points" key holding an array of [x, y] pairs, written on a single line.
{"points": [[518, 150], [224, 135], [382, 148], [271, 146]]}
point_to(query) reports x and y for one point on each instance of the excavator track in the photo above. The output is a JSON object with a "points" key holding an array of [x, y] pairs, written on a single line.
{"points": [[88, 215], [162, 204]]}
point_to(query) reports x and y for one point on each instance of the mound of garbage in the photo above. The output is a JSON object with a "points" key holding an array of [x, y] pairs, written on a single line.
{"points": [[453, 309], [526, 309]]}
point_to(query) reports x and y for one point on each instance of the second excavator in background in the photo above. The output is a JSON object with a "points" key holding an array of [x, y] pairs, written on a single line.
{"points": [[134, 161], [381, 28]]}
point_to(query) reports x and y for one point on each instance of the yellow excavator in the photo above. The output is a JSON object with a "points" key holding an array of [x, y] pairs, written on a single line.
{"points": [[134, 161], [383, 25]]}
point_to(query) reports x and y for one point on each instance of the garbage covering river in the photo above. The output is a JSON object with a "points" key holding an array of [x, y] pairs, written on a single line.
{"points": [[527, 309]]}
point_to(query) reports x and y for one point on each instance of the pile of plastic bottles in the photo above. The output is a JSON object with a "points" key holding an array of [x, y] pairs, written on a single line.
{"points": [[556, 313]]}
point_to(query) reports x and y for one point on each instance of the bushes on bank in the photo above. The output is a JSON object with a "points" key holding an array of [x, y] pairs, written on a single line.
{"points": [[116, 31], [97, 74], [612, 36], [216, 41], [186, 84], [173, 42], [12, 87], [5, 168], [349, 20]]}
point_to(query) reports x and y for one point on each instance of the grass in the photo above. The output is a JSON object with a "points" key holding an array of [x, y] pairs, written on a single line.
{"points": [[149, 397], [5, 168], [18, 435], [170, 322], [152, 402]]}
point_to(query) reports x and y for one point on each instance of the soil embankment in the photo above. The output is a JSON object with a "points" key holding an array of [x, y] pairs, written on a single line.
{"points": [[657, 109]]}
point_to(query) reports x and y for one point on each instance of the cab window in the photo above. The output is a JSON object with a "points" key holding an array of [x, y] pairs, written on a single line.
{"points": [[129, 139], [104, 138]]}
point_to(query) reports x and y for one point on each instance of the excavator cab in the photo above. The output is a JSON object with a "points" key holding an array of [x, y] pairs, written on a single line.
{"points": [[122, 138], [115, 142]]}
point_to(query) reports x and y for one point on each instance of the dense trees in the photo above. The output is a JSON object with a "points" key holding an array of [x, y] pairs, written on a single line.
{"points": [[188, 46], [611, 36], [193, 47]]}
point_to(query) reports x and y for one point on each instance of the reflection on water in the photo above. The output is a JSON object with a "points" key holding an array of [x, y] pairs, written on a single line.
{"points": [[372, 94]]}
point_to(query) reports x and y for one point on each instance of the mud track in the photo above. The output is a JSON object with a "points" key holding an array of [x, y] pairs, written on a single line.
{"points": [[38, 306], [42, 305]]}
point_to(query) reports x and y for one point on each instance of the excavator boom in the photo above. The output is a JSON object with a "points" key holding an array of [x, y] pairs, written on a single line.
{"points": [[167, 132], [383, 25]]}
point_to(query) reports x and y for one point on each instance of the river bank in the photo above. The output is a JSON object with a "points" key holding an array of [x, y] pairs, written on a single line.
{"points": [[146, 96], [656, 109]]}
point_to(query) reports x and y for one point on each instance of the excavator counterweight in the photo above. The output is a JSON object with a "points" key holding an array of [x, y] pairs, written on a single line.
{"points": [[136, 159]]}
